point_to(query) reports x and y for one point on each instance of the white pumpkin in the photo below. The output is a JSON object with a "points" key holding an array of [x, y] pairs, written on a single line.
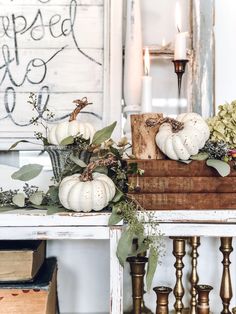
{"points": [[86, 196], [62, 130], [186, 142]]}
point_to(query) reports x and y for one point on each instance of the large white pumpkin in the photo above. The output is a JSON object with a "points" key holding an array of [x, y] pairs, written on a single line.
{"points": [[65, 129], [186, 142], [86, 196]]}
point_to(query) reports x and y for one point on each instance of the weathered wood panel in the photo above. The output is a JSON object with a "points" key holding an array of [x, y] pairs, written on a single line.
{"points": [[176, 201], [44, 26], [171, 168], [183, 184], [55, 49]]}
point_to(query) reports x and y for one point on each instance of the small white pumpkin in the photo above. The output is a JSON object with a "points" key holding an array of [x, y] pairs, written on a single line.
{"points": [[186, 142], [82, 196], [72, 127]]}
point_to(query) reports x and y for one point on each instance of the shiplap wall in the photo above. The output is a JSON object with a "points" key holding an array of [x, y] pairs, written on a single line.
{"points": [[55, 49]]}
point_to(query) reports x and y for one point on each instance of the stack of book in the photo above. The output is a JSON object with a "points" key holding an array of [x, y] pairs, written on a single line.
{"points": [[28, 281]]}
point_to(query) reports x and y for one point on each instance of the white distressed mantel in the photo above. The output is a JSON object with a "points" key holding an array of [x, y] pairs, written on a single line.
{"points": [[25, 224]]}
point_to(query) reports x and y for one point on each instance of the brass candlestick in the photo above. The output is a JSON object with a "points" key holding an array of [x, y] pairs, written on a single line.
{"points": [[144, 308], [195, 243], [180, 66], [179, 252], [226, 288], [203, 299], [137, 267], [162, 299]]}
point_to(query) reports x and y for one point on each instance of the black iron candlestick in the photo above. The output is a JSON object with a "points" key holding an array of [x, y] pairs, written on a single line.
{"points": [[180, 66]]}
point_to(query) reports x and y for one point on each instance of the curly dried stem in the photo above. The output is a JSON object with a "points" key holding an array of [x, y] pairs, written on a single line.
{"points": [[80, 104], [176, 125], [87, 175]]}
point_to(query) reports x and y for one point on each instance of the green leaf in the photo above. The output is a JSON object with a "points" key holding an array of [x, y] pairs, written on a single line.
{"points": [[152, 265], [78, 161], [6, 209], [18, 142], [67, 141], [221, 166], [27, 172], [51, 210], [200, 156], [103, 134], [19, 199], [36, 198], [114, 219], [53, 193], [101, 169], [124, 246], [119, 194]]}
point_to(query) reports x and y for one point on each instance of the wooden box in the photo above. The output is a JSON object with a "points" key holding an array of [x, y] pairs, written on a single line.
{"points": [[172, 185], [21, 260], [37, 297]]}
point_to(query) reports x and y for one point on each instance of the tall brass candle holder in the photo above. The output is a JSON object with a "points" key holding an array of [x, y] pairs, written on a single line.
{"points": [[180, 66], [203, 299], [179, 253], [226, 288], [195, 243], [137, 267], [162, 299]]}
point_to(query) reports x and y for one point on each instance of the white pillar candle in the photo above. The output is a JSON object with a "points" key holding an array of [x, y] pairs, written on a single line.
{"points": [[180, 38], [133, 65], [180, 46], [146, 103]]}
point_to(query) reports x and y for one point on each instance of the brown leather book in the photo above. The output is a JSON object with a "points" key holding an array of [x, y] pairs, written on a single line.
{"points": [[21, 260], [37, 297]]}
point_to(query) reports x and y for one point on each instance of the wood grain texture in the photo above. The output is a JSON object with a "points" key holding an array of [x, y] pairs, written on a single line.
{"points": [[143, 137], [177, 201], [171, 168], [183, 184]]}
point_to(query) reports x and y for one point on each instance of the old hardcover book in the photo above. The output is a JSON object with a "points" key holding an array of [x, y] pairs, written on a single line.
{"points": [[21, 260], [37, 297], [172, 185]]}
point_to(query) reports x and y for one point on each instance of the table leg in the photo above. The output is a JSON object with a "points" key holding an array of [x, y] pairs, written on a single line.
{"points": [[116, 274]]}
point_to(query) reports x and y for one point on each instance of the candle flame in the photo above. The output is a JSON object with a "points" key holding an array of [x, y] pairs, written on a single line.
{"points": [[146, 62], [163, 42], [178, 16]]}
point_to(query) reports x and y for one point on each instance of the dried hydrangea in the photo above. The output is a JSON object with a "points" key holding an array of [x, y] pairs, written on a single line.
{"points": [[223, 125]]}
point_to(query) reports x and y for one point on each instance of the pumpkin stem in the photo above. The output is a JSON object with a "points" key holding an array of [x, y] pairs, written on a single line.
{"points": [[80, 104], [87, 174], [176, 125]]}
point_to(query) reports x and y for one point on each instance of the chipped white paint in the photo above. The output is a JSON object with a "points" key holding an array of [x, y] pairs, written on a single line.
{"points": [[23, 224], [116, 271]]}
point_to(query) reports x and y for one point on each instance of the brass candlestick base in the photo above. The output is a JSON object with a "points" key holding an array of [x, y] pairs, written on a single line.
{"points": [[226, 288], [195, 243], [137, 267], [162, 299], [180, 66], [179, 252], [203, 299]]}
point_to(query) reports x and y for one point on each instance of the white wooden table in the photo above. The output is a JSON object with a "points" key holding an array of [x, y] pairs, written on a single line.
{"points": [[22, 224], [35, 224]]}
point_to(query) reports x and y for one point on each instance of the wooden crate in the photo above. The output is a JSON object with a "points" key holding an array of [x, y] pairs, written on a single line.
{"points": [[172, 185]]}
